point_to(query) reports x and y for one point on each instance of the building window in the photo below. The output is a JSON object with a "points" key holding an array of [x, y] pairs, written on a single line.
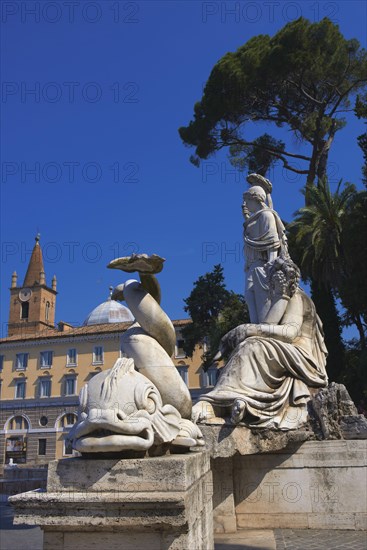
{"points": [[212, 377], [183, 370], [47, 311], [18, 423], [71, 357], [24, 312], [43, 421], [68, 449], [70, 385], [21, 361], [42, 446], [1, 362], [20, 389], [67, 420], [179, 351], [46, 359], [45, 388], [97, 355]]}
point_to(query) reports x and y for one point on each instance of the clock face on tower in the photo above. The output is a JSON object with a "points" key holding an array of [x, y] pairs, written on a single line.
{"points": [[25, 294]]}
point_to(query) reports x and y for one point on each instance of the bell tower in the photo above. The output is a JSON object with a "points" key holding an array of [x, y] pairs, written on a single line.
{"points": [[32, 305]]}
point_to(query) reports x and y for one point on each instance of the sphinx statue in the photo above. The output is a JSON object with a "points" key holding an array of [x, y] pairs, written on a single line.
{"points": [[274, 360], [141, 403]]}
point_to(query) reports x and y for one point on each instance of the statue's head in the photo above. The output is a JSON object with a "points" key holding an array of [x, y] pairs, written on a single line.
{"points": [[121, 410], [255, 193], [284, 277]]}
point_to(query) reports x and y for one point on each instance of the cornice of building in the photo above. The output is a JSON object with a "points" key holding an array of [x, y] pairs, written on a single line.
{"points": [[42, 404], [77, 334], [54, 341]]}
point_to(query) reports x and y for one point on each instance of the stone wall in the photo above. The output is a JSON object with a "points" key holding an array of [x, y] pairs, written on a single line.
{"points": [[315, 484], [19, 480], [160, 503]]}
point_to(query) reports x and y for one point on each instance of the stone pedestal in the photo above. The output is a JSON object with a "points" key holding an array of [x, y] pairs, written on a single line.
{"points": [[156, 503], [309, 485], [319, 485]]}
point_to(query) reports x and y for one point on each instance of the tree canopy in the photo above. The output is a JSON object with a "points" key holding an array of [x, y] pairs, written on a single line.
{"points": [[361, 112], [214, 311], [302, 78], [327, 239]]}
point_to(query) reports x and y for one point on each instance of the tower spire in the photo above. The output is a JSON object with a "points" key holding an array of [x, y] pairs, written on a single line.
{"points": [[32, 305], [35, 266]]}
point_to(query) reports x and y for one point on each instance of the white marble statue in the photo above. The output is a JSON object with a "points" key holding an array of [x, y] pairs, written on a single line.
{"points": [[142, 402], [274, 360], [264, 240]]}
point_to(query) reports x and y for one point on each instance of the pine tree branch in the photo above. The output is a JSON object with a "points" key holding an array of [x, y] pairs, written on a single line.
{"points": [[277, 153]]}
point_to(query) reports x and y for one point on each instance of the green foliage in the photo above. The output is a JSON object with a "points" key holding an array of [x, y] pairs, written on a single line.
{"points": [[234, 313], [302, 78], [327, 240], [361, 112], [204, 304], [316, 233], [352, 289], [354, 375], [214, 311], [315, 244], [326, 308], [207, 298], [258, 157]]}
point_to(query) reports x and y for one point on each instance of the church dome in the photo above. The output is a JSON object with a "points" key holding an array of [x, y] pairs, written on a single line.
{"points": [[109, 311]]}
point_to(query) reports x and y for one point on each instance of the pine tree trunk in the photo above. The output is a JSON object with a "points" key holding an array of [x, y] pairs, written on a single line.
{"points": [[358, 323]]}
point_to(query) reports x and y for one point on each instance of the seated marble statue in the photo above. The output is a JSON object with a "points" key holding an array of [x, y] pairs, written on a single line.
{"points": [[275, 359]]}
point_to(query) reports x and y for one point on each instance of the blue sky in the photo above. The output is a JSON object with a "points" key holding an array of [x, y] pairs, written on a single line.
{"points": [[112, 82]]}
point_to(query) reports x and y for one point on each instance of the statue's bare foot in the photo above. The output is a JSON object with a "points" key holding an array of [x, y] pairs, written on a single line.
{"points": [[189, 435], [238, 411], [202, 411]]}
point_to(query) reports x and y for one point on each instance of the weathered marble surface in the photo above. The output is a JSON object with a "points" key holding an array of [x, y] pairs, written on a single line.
{"points": [[121, 410], [228, 440], [161, 503], [141, 404], [331, 415], [317, 485], [273, 361], [310, 485]]}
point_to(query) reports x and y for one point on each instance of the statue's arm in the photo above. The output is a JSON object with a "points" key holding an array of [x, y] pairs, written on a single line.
{"points": [[239, 334], [287, 332]]}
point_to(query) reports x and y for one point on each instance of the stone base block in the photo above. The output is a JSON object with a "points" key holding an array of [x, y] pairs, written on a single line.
{"points": [[320, 485], [158, 503], [223, 496], [313, 485]]}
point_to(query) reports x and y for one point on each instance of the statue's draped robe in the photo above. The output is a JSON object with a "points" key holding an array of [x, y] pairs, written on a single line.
{"points": [[272, 376], [264, 232]]}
